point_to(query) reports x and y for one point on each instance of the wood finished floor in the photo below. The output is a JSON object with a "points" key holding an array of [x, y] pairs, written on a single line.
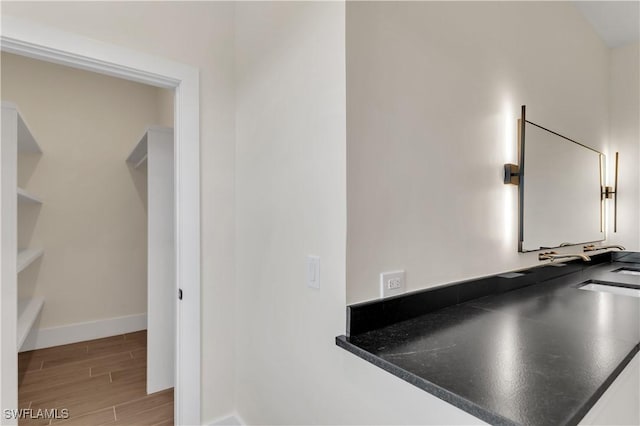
{"points": [[100, 382]]}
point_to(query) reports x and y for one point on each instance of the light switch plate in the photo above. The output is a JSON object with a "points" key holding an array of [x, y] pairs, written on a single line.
{"points": [[313, 271], [392, 283]]}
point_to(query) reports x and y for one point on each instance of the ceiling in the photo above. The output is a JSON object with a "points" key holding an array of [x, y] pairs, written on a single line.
{"points": [[617, 22]]}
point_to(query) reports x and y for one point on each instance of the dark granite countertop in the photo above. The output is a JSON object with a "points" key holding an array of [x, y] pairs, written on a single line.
{"points": [[543, 353]]}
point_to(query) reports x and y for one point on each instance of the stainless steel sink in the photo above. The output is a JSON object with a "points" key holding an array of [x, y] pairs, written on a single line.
{"points": [[610, 288]]}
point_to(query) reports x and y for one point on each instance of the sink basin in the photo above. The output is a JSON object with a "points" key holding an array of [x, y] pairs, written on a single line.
{"points": [[610, 288], [628, 271]]}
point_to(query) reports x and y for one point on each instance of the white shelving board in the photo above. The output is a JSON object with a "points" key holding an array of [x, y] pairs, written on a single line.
{"points": [[27, 256], [155, 149], [138, 155], [26, 142], [28, 311], [25, 197], [18, 316]]}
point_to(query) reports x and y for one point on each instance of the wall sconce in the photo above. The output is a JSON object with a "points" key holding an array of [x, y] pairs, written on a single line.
{"points": [[511, 174], [608, 193]]}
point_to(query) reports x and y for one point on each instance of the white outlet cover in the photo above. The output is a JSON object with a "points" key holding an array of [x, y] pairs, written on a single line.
{"points": [[392, 283]]}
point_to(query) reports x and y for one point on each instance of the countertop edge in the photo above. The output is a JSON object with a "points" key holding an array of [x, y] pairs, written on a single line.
{"points": [[427, 386], [468, 406], [588, 405]]}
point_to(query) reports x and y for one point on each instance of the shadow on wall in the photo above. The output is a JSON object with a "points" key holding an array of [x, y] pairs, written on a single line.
{"points": [[139, 179], [27, 164]]}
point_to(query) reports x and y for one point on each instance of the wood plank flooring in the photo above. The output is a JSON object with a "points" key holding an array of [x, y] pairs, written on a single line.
{"points": [[99, 382]]}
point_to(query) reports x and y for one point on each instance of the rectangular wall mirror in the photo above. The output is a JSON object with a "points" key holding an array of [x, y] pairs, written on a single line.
{"points": [[560, 200]]}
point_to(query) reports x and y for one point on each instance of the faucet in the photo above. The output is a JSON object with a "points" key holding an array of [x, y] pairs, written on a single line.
{"points": [[553, 256], [593, 247]]}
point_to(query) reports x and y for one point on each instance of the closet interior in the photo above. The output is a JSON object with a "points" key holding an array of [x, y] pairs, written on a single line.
{"points": [[152, 156]]}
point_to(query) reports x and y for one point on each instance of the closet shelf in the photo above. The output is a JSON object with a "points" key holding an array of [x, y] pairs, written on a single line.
{"points": [[25, 197], [138, 155], [27, 256], [28, 311], [26, 142]]}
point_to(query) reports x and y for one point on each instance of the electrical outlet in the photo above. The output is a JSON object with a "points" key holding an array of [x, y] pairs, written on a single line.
{"points": [[392, 283]]}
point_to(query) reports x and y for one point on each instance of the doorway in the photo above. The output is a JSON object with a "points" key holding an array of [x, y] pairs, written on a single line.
{"points": [[103, 229], [51, 45]]}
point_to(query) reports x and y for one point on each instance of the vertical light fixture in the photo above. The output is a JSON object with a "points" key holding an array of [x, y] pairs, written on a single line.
{"points": [[509, 193], [608, 192]]}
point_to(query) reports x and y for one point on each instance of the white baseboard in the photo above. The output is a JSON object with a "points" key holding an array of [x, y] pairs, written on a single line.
{"points": [[230, 420], [79, 332]]}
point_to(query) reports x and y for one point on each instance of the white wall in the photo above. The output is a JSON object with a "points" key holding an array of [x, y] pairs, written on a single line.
{"points": [[92, 224], [199, 34], [624, 104], [434, 90], [291, 202]]}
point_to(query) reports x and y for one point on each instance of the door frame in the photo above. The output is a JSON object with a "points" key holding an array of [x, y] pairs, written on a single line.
{"points": [[49, 44]]}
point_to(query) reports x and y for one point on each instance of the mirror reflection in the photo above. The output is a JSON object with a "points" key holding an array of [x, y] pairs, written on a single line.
{"points": [[560, 190]]}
